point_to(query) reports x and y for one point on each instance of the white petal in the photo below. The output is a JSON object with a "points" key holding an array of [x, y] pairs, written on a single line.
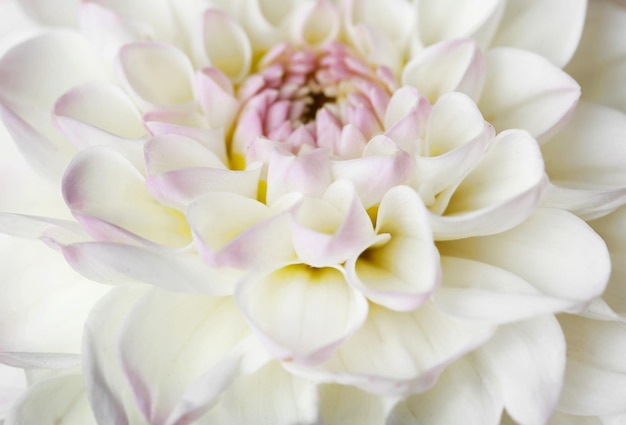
{"points": [[524, 90], [270, 396], [43, 308], [61, 13], [555, 27], [224, 45], [498, 194], [532, 387], [595, 377], [612, 229], [347, 405], [315, 23], [460, 396], [406, 352], [156, 73], [216, 97], [13, 385], [54, 401], [552, 250], [441, 20], [326, 232], [478, 291], [234, 231], [400, 270], [108, 195], [455, 65], [171, 340], [302, 314], [600, 61], [118, 263], [586, 156]]}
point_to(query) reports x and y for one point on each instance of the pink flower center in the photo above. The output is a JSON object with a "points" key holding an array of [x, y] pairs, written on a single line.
{"points": [[305, 97]]}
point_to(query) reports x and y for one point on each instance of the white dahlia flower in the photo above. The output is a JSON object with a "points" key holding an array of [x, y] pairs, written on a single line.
{"points": [[285, 212]]}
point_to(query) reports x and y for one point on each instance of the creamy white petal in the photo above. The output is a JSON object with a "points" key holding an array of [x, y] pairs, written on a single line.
{"points": [[612, 228], [43, 308], [587, 156], [498, 194], [328, 311], [455, 65], [406, 352], [108, 195], [60, 13], [527, 359], [232, 54], [346, 405], [56, 401], [216, 97], [157, 74], [550, 28], [478, 291], [13, 385], [234, 231], [440, 20], [315, 23], [600, 61], [557, 267], [271, 396], [524, 90], [400, 269], [113, 263], [169, 341], [461, 396], [25, 112], [595, 377]]}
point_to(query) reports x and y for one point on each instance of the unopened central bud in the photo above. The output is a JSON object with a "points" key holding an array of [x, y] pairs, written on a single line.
{"points": [[306, 97]]}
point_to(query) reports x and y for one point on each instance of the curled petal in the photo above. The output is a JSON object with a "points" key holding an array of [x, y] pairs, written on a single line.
{"points": [[400, 269], [326, 232], [224, 45], [156, 73], [235, 231], [98, 181], [498, 194], [216, 97], [316, 23], [455, 65], [328, 311], [523, 90]]}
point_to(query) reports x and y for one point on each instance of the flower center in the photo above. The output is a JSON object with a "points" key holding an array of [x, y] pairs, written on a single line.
{"points": [[305, 97]]}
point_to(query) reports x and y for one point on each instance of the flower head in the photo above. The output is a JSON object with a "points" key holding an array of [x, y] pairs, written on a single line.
{"points": [[313, 211]]}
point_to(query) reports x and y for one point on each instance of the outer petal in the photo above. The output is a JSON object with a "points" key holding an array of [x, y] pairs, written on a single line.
{"points": [[42, 308], [406, 352], [26, 113], [270, 396], [524, 90], [61, 13], [441, 20], [400, 269], [587, 157], [596, 371], [600, 61], [169, 341], [540, 250], [302, 314], [556, 27], [13, 385], [612, 229], [119, 263], [56, 401], [537, 349], [461, 395], [347, 405]]}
